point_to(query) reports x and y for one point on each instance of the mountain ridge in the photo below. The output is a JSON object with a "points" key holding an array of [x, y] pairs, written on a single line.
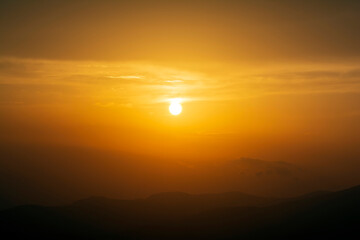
{"points": [[326, 214]]}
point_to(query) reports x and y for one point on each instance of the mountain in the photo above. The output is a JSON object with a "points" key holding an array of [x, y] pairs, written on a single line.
{"points": [[314, 216], [185, 216], [168, 206], [5, 203]]}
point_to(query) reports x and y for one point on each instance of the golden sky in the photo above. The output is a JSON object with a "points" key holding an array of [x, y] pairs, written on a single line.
{"points": [[271, 80]]}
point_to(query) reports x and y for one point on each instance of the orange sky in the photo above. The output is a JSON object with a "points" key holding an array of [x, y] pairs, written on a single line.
{"points": [[228, 111], [275, 81]]}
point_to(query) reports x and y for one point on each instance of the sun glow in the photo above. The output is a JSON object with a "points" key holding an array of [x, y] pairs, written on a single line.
{"points": [[175, 107]]}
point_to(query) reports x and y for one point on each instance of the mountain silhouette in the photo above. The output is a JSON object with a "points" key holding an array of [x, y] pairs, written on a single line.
{"points": [[185, 216]]}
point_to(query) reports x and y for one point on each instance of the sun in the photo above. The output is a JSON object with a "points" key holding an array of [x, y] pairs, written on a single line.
{"points": [[175, 107]]}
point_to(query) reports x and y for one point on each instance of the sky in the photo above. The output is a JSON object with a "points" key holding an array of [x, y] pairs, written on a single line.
{"points": [[270, 92]]}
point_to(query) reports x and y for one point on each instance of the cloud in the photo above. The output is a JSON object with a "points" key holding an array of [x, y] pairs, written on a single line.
{"points": [[145, 83], [17, 69], [126, 77], [261, 168], [174, 81], [263, 177]]}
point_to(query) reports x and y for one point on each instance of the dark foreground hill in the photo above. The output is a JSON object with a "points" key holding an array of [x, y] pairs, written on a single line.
{"points": [[184, 216]]}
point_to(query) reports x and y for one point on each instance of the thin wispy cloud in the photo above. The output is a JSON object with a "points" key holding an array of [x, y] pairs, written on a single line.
{"points": [[126, 77], [146, 83]]}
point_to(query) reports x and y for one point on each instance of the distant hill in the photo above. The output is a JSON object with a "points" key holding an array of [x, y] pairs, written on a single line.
{"points": [[5, 203], [184, 216]]}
